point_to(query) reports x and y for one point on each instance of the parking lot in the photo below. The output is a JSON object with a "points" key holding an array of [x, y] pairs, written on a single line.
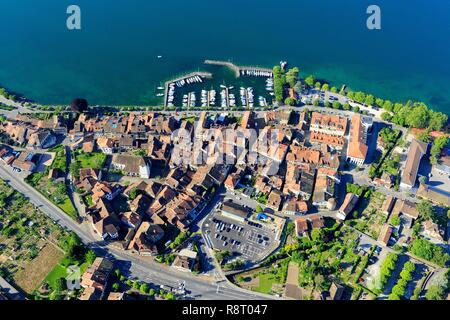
{"points": [[252, 241]]}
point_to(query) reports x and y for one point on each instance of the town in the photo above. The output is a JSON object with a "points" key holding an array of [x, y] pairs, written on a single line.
{"points": [[308, 201]]}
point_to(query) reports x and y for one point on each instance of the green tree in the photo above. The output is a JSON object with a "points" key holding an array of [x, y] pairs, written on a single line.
{"points": [[60, 284], [418, 117], [90, 257], [336, 105], [133, 194], [435, 292], [144, 288], [325, 87], [369, 100], [317, 85], [437, 120], [310, 80], [116, 287]]}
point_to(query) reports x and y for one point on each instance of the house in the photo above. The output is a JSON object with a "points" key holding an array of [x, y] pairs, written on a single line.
{"points": [[235, 211], [406, 208], [131, 219], [185, 261], [106, 145], [349, 204], [388, 205], [336, 291], [316, 221], [97, 275], [26, 161], [275, 200], [43, 139], [433, 231], [133, 166], [357, 146], [434, 194], [416, 152], [328, 124], [116, 296], [145, 239], [301, 227], [90, 294], [385, 234], [295, 207]]}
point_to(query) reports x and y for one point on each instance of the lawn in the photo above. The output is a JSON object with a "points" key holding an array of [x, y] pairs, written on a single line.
{"points": [[94, 160], [60, 271], [265, 283]]}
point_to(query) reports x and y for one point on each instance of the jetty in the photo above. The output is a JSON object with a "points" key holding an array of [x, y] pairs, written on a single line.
{"points": [[206, 75], [241, 70]]}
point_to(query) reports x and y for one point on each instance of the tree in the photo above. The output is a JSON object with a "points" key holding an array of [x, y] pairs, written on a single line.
{"points": [[346, 106], [356, 109], [317, 85], [79, 105], [395, 221], [325, 87], [90, 257], [388, 106], [136, 285], [116, 287], [60, 284], [117, 273], [133, 194], [437, 120], [292, 76], [435, 292], [144, 288], [418, 117], [310, 80], [426, 210], [438, 144], [152, 292], [370, 100], [333, 89], [336, 105], [290, 101]]}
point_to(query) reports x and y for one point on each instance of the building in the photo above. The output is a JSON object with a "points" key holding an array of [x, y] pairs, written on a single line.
{"points": [[97, 275], [432, 231], [275, 200], [349, 204], [301, 227], [26, 161], [186, 260], [388, 205], [316, 221], [435, 195], [328, 124], [336, 291], [385, 234], [357, 146], [406, 208], [133, 166], [416, 152], [295, 207], [235, 211], [43, 139], [106, 145]]}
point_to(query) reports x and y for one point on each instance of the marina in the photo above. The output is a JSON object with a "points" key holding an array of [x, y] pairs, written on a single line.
{"points": [[226, 86]]}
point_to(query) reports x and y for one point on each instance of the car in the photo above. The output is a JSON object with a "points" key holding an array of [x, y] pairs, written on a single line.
{"points": [[266, 238]]}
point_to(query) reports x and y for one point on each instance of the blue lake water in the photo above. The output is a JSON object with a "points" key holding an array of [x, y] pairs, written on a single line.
{"points": [[113, 59]]}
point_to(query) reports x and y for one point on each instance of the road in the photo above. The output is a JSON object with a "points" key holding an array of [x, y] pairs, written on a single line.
{"points": [[137, 267]]}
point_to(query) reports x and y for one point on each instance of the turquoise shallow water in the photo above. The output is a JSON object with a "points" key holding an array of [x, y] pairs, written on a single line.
{"points": [[113, 59]]}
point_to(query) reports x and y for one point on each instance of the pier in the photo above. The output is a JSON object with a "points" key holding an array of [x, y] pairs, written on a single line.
{"points": [[238, 70]]}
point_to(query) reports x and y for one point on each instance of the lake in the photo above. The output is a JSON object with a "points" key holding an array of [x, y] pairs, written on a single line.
{"points": [[113, 60]]}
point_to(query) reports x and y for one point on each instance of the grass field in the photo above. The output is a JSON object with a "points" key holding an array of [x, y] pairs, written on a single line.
{"points": [[95, 160], [35, 272], [265, 283], [60, 271]]}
